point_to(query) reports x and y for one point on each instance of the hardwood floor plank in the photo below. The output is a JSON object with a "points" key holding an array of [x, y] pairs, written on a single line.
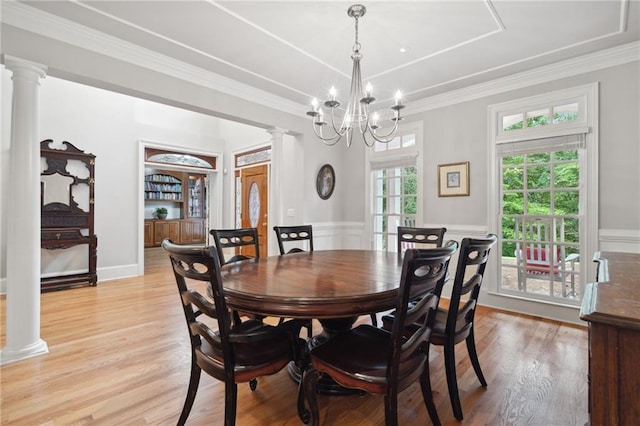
{"points": [[119, 355]]}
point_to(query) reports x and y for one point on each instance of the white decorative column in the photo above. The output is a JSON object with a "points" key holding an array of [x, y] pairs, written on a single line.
{"points": [[276, 192], [23, 216]]}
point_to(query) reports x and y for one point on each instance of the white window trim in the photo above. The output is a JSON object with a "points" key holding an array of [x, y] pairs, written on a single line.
{"points": [[587, 96], [372, 157]]}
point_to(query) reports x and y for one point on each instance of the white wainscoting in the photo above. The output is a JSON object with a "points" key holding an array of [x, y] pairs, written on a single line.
{"points": [[338, 235], [620, 240]]}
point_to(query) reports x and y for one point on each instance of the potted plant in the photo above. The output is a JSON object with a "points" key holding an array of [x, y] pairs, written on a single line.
{"points": [[161, 212]]}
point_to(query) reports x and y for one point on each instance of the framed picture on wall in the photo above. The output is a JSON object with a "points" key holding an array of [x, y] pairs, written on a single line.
{"points": [[453, 179], [325, 181]]}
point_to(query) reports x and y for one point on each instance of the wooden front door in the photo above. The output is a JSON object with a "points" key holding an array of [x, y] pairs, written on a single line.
{"points": [[255, 205]]}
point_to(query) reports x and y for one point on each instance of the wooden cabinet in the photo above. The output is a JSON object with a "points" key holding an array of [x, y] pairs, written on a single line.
{"points": [[611, 306], [192, 231], [148, 233], [165, 229], [67, 197], [181, 231]]}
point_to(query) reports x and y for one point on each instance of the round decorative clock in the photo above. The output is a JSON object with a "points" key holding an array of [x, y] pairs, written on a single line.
{"points": [[325, 181]]}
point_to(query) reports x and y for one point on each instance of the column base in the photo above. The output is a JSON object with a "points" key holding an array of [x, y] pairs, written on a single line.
{"points": [[8, 356]]}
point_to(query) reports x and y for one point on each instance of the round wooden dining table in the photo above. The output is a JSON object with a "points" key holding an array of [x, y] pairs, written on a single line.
{"points": [[319, 284], [333, 286]]}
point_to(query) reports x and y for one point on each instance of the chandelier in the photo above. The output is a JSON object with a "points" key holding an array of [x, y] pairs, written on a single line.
{"points": [[357, 113]]}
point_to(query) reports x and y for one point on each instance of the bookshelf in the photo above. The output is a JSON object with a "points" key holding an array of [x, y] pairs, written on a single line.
{"points": [[162, 187], [185, 196]]}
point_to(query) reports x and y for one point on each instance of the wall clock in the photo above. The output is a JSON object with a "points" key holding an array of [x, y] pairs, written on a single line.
{"points": [[325, 181]]}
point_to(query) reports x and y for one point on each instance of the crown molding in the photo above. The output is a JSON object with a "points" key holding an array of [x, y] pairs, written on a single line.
{"points": [[581, 65], [31, 19]]}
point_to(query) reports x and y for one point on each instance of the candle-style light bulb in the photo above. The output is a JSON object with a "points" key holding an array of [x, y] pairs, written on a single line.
{"points": [[332, 93], [368, 89], [314, 104], [375, 118], [398, 97]]}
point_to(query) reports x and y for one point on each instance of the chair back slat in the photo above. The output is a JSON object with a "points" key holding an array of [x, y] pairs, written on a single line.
{"points": [[411, 237], [294, 234], [236, 238]]}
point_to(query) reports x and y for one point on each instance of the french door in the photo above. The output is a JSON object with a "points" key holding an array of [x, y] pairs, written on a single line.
{"points": [[540, 222]]}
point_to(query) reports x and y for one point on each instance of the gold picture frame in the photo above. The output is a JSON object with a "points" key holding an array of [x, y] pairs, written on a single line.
{"points": [[453, 179]]}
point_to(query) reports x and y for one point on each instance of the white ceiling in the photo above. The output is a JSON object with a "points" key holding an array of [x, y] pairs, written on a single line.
{"points": [[298, 49]]}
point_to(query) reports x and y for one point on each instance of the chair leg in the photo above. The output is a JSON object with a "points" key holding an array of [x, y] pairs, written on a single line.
{"points": [[230, 403], [374, 320], [310, 379], [473, 355], [236, 318], [194, 380], [452, 384], [427, 393], [391, 409]]}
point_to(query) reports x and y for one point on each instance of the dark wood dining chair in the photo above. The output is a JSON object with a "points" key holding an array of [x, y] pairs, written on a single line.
{"points": [[409, 237], [455, 324], [236, 238], [233, 353], [381, 362], [288, 235]]}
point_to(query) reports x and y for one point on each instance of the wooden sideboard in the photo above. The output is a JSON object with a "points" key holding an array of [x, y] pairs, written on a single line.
{"points": [[612, 308], [181, 231]]}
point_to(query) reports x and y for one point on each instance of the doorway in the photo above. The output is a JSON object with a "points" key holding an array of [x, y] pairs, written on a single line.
{"points": [[185, 186], [254, 204]]}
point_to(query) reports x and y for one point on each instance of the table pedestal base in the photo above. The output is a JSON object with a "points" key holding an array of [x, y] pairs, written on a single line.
{"points": [[330, 328]]}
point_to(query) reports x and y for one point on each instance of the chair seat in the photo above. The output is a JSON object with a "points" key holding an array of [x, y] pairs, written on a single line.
{"points": [[253, 359], [439, 335], [360, 357]]}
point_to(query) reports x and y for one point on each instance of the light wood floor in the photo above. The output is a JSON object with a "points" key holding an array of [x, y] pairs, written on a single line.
{"points": [[119, 355]]}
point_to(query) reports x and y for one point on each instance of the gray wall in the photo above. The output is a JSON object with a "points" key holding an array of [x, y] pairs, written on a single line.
{"points": [[459, 133]]}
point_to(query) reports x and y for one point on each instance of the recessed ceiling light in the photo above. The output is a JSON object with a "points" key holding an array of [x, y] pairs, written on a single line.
{"points": [[403, 50]]}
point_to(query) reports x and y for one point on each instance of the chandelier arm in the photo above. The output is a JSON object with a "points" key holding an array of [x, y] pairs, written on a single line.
{"points": [[386, 138], [330, 141], [366, 142], [343, 127]]}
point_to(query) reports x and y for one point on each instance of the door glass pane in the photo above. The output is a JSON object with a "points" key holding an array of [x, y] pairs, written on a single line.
{"points": [[394, 204], [254, 205], [538, 177]]}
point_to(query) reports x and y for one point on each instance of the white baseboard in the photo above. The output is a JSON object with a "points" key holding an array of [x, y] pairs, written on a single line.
{"points": [[117, 272]]}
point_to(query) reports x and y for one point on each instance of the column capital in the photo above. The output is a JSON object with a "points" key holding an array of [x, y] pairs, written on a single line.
{"points": [[14, 64], [276, 132]]}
